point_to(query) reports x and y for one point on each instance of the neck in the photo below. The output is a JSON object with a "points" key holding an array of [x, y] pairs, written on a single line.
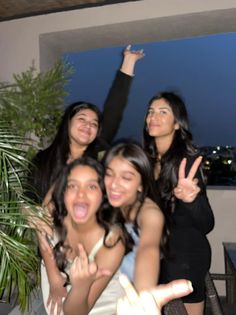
{"points": [[129, 212], [163, 144], [82, 230], [76, 152]]}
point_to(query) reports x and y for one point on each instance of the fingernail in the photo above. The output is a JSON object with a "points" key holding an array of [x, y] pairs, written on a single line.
{"points": [[179, 288]]}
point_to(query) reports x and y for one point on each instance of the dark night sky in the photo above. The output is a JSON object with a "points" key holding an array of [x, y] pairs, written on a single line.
{"points": [[201, 69]]}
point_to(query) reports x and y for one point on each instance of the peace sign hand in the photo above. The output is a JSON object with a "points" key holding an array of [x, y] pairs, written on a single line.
{"points": [[187, 188]]}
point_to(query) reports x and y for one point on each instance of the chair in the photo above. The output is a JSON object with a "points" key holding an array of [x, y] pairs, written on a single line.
{"points": [[175, 307], [211, 293]]}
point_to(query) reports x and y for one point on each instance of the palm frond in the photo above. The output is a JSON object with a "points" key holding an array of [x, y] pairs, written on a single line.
{"points": [[18, 246]]}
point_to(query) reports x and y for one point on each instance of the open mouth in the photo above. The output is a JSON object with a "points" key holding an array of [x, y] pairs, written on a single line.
{"points": [[80, 210]]}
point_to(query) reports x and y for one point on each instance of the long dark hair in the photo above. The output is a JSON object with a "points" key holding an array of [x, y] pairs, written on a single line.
{"points": [[107, 217], [135, 155], [181, 147], [49, 162]]}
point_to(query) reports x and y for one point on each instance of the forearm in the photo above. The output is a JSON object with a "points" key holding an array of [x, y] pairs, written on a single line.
{"points": [[53, 273], [147, 266], [76, 302], [200, 212], [128, 65]]}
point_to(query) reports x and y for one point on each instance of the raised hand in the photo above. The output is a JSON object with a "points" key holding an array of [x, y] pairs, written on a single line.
{"points": [[130, 59], [136, 54], [150, 302], [187, 188], [84, 271]]}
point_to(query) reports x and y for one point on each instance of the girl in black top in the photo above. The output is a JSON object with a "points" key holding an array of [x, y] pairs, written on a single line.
{"points": [[168, 141], [93, 134]]}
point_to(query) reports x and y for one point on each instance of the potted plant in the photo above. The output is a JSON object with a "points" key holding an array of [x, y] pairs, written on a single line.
{"points": [[30, 109]]}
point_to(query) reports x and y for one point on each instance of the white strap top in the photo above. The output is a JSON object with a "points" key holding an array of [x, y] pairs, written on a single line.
{"points": [[106, 303]]}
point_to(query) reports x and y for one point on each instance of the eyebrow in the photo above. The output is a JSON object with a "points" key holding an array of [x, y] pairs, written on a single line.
{"points": [[75, 180], [83, 114], [122, 172], [161, 107]]}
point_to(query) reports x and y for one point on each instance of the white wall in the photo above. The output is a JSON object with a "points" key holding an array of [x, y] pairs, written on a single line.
{"points": [[223, 203], [19, 39]]}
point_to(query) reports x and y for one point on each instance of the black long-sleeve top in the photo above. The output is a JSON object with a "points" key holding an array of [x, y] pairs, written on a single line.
{"points": [[192, 221]]}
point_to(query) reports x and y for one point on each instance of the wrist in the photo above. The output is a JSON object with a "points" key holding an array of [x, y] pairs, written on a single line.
{"points": [[128, 66]]}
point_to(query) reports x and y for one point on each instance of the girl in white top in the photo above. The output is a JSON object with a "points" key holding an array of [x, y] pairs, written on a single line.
{"points": [[83, 223]]}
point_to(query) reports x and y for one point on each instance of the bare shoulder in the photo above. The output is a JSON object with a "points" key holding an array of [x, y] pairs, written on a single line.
{"points": [[149, 206], [150, 212]]}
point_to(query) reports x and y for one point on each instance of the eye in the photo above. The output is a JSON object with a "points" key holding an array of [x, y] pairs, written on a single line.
{"points": [[150, 111], [127, 178], [163, 112], [108, 173], [93, 186], [71, 186], [94, 125]]}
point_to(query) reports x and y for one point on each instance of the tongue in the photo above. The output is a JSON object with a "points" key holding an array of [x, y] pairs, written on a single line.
{"points": [[80, 211]]}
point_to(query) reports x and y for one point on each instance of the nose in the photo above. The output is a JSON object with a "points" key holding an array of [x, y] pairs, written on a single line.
{"points": [[154, 115], [81, 192], [87, 124], [114, 182]]}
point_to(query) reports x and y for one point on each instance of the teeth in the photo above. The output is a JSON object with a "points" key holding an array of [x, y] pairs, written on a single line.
{"points": [[116, 194]]}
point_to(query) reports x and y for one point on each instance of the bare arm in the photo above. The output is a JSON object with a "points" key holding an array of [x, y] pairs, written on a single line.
{"points": [[56, 281], [148, 251]]}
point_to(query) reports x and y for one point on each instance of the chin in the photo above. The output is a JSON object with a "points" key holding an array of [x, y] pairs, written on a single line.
{"points": [[115, 203]]}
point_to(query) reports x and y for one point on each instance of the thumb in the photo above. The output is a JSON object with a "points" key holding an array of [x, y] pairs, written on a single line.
{"points": [[164, 293]]}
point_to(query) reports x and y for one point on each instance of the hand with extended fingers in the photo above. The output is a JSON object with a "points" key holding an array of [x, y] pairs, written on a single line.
{"points": [[150, 302], [136, 54], [57, 294], [130, 59], [84, 271], [187, 187]]}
